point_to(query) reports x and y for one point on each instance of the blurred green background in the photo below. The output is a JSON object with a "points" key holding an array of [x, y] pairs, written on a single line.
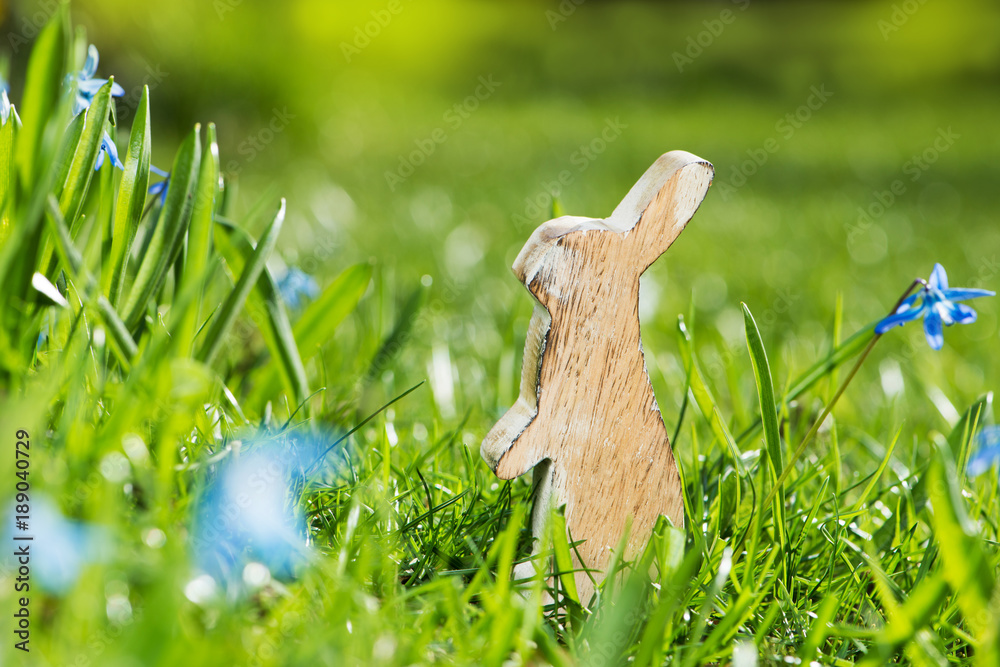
{"points": [[321, 100]]}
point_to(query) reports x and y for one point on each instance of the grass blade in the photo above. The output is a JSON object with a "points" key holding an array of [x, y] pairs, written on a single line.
{"points": [[400, 334], [967, 567], [200, 238], [836, 358], [6, 174], [878, 473], [266, 308], [769, 417], [42, 88], [169, 232], [319, 321], [234, 302], [126, 348], [81, 170], [704, 398], [131, 200]]}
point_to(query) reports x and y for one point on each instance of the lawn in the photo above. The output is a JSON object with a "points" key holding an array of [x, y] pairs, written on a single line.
{"points": [[255, 429]]}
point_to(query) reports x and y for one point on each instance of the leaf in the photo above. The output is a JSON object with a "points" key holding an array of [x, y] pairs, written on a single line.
{"points": [[878, 473], [769, 416], [564, 557], [131, 200], [400, 334], [817, 372], [7, 180], [81, 170], [42, 89], [266, 308], [967, 566], [703, 397], [200, 238], [230, 308], [821, 627], [961, 437], [908, 620], [320, 320], [168, 235], [124, 344]]}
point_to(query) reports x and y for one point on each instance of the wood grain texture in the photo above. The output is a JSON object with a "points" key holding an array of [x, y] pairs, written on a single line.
{"points": [[586, 410]]}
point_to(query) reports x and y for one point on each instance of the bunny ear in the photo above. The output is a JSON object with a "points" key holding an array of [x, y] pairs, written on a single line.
{"points": [[660, 204]]}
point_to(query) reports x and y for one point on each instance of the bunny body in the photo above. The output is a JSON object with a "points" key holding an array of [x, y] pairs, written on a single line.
{"points": [[586, 411]]}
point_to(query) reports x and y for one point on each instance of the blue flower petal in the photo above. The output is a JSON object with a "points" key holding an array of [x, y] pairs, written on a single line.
{"points": [[161, 187], [89, 87], [939, 279], [4, 106], [90, 66], [108, 146], [962, 314], [80, 103], [933, 330], [899, 318], [963, 293], [908, 302]]}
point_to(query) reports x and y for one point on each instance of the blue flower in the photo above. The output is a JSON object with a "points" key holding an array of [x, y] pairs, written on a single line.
{"points": [[295, 285], [988, 452], [108, 147], [161, 187], [5, 106], [60, 548], [87, 86], [251, 511], [936, 303]]}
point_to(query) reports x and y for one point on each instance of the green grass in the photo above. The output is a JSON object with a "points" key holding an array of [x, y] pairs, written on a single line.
{"points": [[876, 549]]}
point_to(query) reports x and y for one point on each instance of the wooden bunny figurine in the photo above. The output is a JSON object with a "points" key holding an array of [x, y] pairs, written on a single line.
{"points": [[586, 419]]}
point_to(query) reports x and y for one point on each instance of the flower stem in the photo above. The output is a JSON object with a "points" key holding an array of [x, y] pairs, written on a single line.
{"points": [[800, 450]]}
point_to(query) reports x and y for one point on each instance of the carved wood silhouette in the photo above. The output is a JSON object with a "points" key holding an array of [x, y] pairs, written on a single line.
{"points": [[586, 418]]}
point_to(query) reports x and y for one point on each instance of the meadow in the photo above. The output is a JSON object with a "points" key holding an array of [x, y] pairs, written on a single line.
{"points": [[255, 396]]}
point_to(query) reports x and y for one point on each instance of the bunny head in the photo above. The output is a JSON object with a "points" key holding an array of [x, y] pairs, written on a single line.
{"points": [[561, 261]]}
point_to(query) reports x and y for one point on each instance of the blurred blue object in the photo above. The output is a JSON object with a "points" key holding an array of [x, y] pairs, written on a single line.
{"points": [[297, 286], [250, 510], [4, 102], [60, 548], [987, 453]]}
